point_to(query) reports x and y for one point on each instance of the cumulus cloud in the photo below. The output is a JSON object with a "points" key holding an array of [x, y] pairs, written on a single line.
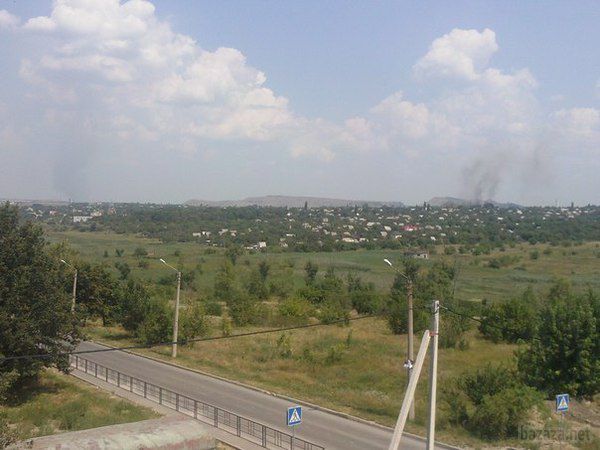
{"points": [[7, 20], [112, 74], [460, 53]]}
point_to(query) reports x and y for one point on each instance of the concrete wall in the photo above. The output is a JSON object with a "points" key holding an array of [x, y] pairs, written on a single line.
{"points": [[171, 432]]}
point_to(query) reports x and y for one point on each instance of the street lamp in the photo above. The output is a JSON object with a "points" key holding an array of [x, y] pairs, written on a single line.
{"points": [[410, 360], [74, 285], [176, 319]]}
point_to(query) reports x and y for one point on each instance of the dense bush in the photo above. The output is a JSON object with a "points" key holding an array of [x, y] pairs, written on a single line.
{"points": [[132, 306], [296, 309], [511, 321], [193, 322], [565, 356], [491, 402], [157, 324], [214, 308], [499, 416], [242, 309]]}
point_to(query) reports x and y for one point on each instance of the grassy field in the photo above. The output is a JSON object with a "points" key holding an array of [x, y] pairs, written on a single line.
{"points": [[61, 403], [356, 369], [476, 280]]}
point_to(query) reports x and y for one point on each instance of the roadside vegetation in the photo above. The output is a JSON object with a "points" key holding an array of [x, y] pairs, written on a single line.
{"points": [[56, 404]]}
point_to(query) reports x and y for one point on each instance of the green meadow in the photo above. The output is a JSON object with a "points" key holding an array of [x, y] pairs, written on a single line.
{"points": [[476, 279]]}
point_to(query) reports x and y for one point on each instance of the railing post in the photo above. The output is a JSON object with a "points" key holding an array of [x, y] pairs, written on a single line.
{"points": [[239, 426], [160, 395], [264, 436], [216, 416], [118, 378], [130, 384], [76, 362], [106, 371], [176, 401], [195, 409], [86, 366], [145, 389], [96, 370]]}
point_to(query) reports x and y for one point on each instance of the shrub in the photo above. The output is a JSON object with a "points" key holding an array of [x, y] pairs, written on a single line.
{"points": [[332, 312], [491, 402], [242, 309], [157, 325], [140, 252], [193, 323], [366, 301], [511, 321], [566, 355], [296, 308], [284, 346], [7, 435], [214, 308], [499, 416], [334, 355]]}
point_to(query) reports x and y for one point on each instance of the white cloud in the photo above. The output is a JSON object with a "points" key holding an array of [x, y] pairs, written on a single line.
{"points": [[579, 123], [7, 20], [460, 53], [126, 74]]}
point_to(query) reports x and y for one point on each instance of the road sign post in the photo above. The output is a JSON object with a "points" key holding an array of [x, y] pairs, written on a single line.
{"points": [[562, 403], [562, 406], [293, 418]]}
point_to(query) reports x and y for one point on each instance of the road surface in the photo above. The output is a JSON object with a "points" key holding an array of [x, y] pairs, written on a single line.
{"points": [[323, 428]]}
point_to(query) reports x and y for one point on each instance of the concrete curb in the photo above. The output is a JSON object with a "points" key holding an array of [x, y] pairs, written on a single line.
{"points": [[282, 396]]}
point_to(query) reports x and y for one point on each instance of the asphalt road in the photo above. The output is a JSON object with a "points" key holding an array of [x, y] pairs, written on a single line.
{"points": [[323, 428]]}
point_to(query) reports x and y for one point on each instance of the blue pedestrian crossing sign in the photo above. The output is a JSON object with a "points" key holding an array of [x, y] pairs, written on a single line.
{"points": [[294, 416], [562, 402]]}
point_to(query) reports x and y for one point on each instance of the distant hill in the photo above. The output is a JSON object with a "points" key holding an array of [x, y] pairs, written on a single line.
{"points": [[453, 201], [34, 201], [289, 201]]}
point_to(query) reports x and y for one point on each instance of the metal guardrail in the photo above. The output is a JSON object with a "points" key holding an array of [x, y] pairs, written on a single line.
{"points": [[250, 430]]}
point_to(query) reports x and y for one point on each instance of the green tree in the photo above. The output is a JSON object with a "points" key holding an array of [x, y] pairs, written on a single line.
{"points": [[124, 269], [133, 304], [224, 287], [511, 321], [310, 270], [263, 269], [140, 252], [194, 323], [256, 285], [158, 323], [96, 291], [35, 316], [242, 309], [565, 357]]}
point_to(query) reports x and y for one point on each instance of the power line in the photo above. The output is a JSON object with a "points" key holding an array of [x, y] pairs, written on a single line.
{"points": [[181, 342], [487, 324]]}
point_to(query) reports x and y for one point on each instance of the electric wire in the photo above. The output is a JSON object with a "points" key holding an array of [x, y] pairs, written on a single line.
{"points": [[180, 342]]}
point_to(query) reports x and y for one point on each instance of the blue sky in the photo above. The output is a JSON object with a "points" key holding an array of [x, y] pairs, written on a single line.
{"points": [[170, 100]]}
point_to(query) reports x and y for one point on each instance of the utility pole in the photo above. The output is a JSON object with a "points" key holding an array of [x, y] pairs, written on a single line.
{"points": [[176, 318], [409, 363], [433, 375], [410, 351], [410, 393], [74, 285]]}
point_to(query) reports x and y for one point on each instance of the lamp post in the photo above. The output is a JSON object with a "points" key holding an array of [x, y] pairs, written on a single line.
{"points": [[410, 359], [176, 319], [74, 285]]}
